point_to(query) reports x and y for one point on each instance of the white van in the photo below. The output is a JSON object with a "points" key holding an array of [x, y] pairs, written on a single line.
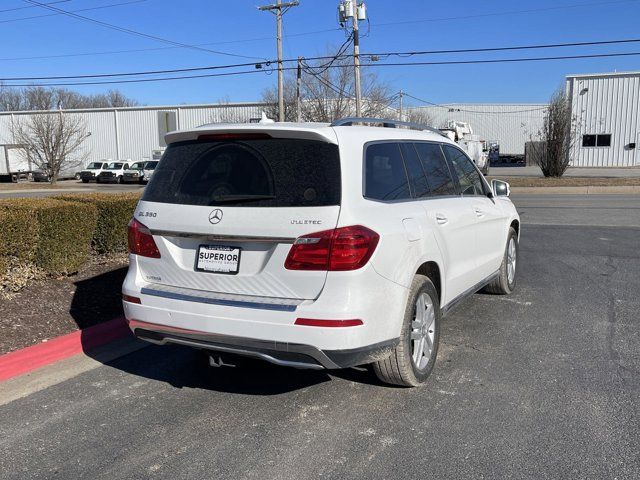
{"points": [[315, 246]]}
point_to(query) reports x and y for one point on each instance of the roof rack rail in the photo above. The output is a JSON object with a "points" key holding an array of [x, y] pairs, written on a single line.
{"points": [[386, 122]]}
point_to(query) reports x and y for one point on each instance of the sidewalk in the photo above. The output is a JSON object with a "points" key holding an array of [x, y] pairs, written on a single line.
{"points": [[617, 172]]}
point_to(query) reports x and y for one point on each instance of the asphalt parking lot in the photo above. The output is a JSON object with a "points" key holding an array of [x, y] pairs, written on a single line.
{"points": [[541, 384]]}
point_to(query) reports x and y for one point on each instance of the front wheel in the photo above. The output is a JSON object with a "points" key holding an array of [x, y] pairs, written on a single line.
{"points": [[505, 282], [413, 359]]}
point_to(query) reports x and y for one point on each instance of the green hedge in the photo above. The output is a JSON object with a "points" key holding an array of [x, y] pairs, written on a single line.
{"points": [[54, 235], [18, 229], [114, 213]]}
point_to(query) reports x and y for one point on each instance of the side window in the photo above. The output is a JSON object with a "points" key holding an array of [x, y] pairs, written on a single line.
{"points": [[417, 178], [468, 176], [384, 172], [436, 169]]}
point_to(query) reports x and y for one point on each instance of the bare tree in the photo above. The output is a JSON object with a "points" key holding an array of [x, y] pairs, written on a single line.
{"points": [[327, 93], [225, 113], [554, 140], [51, 141], [40, 98], [419, 115]]}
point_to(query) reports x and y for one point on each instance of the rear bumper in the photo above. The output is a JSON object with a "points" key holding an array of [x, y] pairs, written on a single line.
{"points": [[279, 353], [270, 322]]}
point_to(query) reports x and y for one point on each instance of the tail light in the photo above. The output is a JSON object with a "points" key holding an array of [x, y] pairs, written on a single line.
{"points": [[141, 241], [340, 249]]}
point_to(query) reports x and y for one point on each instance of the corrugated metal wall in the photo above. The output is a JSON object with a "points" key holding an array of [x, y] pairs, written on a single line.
{"points": [[510, 124], [606, 104], [132, 133]]}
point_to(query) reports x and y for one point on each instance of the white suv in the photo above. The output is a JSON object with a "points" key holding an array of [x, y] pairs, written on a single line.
{"points": [[315, 246]]}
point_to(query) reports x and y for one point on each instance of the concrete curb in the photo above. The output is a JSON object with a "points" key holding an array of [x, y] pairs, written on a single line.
{"points": [[25, 360], [587, 190]]}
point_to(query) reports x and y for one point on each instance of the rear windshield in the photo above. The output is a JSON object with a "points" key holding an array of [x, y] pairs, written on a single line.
{"points": [[253, 173]]}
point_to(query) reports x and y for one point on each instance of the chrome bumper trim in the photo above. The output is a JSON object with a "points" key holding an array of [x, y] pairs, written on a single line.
{"points": [[227, 300], [223, 238]]}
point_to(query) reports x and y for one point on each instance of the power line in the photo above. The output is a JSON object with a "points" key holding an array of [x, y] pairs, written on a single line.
{"points": [[450, 107], [503, 13], [340, 56], [342, 65], [26, 8], [504, 49], [155, 49], [291, 35], [11, 20], [133, 32]]}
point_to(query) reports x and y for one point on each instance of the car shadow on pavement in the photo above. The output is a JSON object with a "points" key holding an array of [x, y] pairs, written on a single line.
{"points": [[98, 300]]}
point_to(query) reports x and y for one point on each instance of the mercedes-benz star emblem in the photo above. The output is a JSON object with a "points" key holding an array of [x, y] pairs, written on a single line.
{"points": [[215, 216]]}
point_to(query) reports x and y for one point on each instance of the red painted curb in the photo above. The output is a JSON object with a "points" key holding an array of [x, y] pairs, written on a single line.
{"points": [[25, 360]]}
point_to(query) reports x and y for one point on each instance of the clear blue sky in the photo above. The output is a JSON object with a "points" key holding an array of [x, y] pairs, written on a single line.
{"points": [[242, 29]]}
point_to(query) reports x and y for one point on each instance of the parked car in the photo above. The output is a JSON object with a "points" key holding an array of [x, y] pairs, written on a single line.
{"points": [[275, 241], [113, 173], [149, 168], [42, 174], [134, 174], [39, 176], [92, 171]]}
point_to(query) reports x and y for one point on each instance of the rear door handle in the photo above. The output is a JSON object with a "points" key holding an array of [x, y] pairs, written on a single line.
{"points": [[479, 211], [441, 218]]}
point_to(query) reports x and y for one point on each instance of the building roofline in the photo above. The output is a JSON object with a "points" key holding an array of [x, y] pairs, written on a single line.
{"points": [[605, 74], [486, 104], [141, 107]]}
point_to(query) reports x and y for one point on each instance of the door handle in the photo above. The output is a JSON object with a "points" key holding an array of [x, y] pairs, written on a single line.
{"points": [[441, 218], [479, 211]]}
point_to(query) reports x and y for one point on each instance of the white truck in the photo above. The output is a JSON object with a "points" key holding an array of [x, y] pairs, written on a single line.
{"points": [[462, 134], [14, 165]]}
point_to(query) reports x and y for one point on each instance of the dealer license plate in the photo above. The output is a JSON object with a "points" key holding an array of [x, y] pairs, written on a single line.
{"points": [[218, 259]]}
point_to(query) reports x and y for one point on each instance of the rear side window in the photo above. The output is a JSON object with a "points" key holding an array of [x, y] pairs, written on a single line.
{"points": [[419, 185], [436, 169], [385, 175], [468, 177], [253, 172]]}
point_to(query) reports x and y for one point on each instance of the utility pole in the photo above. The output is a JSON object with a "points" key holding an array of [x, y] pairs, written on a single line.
{"points": [[298, 84], [400, 94], [356, 63], [279, 9], [351, 9]]}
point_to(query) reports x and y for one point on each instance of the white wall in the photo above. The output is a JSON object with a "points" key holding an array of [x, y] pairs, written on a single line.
{"points": [[610, 104], [132, 133], [510, 124]]}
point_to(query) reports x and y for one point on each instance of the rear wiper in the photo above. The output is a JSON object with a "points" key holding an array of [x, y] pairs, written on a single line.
{"points": [[240, 198]]}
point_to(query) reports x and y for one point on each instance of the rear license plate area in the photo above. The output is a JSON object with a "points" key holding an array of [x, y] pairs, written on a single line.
{"points": [[218, 259]]}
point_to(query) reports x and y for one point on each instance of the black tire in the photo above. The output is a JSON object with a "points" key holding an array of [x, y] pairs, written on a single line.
{"points": [[399, 368], [503, 285], [119, 180], [84, 180]]}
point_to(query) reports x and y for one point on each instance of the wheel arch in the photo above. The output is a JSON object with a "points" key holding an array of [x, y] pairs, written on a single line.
{"points": [[515, 224], [432, 271]]}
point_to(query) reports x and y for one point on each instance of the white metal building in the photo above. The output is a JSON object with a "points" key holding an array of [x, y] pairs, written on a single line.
{"points": [[510, 124], [134, 132], [606, 111]]}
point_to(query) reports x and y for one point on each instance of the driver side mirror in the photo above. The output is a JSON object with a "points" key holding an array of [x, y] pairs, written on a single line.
{"points": [[500, 188]]}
